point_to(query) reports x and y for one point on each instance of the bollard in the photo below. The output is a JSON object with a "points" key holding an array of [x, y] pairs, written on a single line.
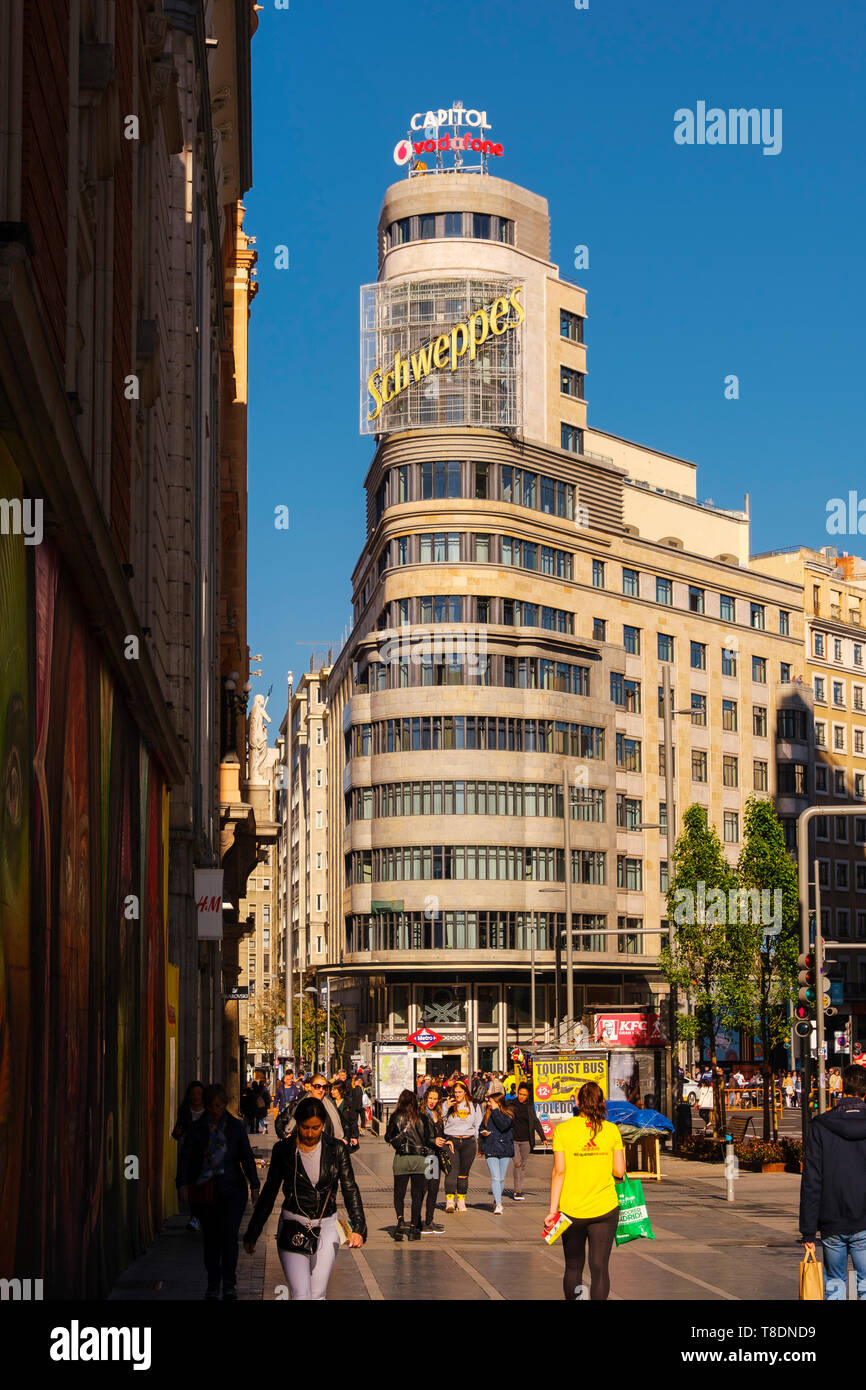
{"points": [[730, 1166]]}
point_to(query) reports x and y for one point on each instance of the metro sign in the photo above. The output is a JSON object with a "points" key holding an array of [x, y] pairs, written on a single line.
{"points": [[425, 1037]]}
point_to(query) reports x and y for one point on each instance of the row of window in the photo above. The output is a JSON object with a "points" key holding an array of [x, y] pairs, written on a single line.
{"points": [[838, 692], [842, 875], [823, 643], [455, 660], [453, 479], [840, 787], [632, 585], [483, 798], [418, 733], [426, 226], [452, 547], [457, 608], [469, 930], [400, 863]]}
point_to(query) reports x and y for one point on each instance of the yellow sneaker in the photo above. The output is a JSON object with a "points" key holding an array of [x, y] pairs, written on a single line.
{"points": [[461, 1205], [449, 1204]]}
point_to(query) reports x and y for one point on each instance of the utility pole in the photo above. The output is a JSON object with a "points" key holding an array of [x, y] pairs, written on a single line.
{"points": [[569, 933], [670, 817], [532, 977]]}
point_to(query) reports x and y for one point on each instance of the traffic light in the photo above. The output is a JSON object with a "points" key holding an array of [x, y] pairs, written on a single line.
{"points": [[807, 995]]}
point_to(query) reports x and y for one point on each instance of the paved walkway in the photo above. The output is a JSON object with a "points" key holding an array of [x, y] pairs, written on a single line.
{"points": [[705, 1248]]}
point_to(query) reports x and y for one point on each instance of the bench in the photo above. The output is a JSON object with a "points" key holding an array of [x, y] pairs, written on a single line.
{"points": [[738, 1124]]}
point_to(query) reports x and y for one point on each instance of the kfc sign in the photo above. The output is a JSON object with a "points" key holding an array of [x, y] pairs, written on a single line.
{"points": [[629, 1030]]}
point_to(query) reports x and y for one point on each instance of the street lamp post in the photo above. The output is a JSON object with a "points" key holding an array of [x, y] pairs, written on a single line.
{"points": [[569, 934], [311, 989]]}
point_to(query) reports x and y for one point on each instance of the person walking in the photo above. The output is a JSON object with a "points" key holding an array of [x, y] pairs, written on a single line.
{"points": [[355, 1098], [588, 1158], [705, 1101], [191, 1109], [497, 1141], [436, 1164], [526, 1128], [410, 1133], [798, 1090], [215, 1165], [833, 1187], [788, 1088], [309, 1166], [347, 1115], [462, 1123], [317, 1088]]}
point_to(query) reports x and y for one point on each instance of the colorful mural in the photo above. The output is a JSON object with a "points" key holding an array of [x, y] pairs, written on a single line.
{"points": [[83, 936]]}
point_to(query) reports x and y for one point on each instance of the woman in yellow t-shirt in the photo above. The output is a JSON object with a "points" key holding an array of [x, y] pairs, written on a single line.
{"points": [[588, 1156]]}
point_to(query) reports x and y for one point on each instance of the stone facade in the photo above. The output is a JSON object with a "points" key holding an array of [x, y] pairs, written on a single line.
{"points": [[576, 579]]}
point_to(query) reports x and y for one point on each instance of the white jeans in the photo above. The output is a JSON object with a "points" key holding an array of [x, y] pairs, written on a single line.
{"points": [[307, 1275]]}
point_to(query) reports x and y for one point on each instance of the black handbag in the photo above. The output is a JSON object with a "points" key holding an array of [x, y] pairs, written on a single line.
{"points": [[295, 1237], [446, 1159]]}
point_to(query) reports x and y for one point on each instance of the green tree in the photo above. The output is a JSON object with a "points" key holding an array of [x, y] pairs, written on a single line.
{"points": [[698, 956], [763, 979], [265, 1013]]}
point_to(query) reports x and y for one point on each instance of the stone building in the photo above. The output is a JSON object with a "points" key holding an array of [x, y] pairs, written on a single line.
{"points": [[125, 282], [525, 578], [834, 642]]}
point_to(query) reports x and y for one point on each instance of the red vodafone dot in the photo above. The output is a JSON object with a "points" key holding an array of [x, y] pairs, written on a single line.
{"points": [[402, 152]]}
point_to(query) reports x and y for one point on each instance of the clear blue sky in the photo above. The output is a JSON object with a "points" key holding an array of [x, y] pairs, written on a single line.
{"points": [[704, 261]]}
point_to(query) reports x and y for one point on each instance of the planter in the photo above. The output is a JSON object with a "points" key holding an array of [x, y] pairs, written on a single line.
{"points": [[773, 1168]]}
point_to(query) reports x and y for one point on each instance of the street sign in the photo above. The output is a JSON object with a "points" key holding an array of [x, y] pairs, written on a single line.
{"points": [[840, 1042], [837, 990], [425, 1037], [281, 1040]]}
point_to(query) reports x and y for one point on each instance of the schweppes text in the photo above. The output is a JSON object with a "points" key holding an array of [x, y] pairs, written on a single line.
{"points": [[464, 340]]}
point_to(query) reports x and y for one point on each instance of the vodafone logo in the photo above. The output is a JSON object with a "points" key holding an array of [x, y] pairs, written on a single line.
{"points": [[402, 151]]}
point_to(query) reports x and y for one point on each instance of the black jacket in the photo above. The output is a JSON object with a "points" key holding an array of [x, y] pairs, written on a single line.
{"points": [[240, 1166], [526, 1122], [833, 1186], [406, 1137], [348, 1119], [286, 1170]]}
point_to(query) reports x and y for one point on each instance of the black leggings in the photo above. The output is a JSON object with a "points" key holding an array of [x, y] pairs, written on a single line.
{"points": [[432, 1194], [457, 1180], [600, 1232], [419, 1190]]}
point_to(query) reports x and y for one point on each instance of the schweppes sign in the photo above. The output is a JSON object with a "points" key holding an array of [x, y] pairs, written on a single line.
{"points": [[494, 320]]}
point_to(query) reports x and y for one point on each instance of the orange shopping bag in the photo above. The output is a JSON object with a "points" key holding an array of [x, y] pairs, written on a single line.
{"points": [[811, 1278]]}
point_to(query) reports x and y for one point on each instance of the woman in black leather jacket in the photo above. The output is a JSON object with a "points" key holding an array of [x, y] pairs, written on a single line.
{"points": [[411, 1134], [309, 1166]]}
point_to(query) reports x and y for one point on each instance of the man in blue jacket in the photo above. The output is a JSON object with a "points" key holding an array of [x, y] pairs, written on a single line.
{"points": [[833, 1186]]}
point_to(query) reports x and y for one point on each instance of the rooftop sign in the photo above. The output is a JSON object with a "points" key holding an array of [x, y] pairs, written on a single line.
{"points": [[450, 131]]}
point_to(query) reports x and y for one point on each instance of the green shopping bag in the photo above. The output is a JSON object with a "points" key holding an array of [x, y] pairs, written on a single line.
{"points": [[634, 1219]]}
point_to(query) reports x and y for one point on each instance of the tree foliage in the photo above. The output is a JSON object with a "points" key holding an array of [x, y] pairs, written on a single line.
{"points": [[763, 980], [698, 954]]}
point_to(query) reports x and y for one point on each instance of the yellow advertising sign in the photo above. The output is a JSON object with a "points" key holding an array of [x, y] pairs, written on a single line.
{"points": [[555, 1081], [493, 320]]}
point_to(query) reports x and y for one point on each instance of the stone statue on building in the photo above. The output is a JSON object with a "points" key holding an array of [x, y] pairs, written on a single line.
{"points": [[258, 739]]}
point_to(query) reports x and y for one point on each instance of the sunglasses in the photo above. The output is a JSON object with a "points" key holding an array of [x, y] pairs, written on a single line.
{"points": [[317, 1087]]}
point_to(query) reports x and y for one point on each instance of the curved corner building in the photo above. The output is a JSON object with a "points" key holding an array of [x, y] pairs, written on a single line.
{"points": [[522, 581]]}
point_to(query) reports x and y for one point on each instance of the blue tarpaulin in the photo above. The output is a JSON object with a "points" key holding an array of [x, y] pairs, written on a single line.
{"points": [[620, 1112]]}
